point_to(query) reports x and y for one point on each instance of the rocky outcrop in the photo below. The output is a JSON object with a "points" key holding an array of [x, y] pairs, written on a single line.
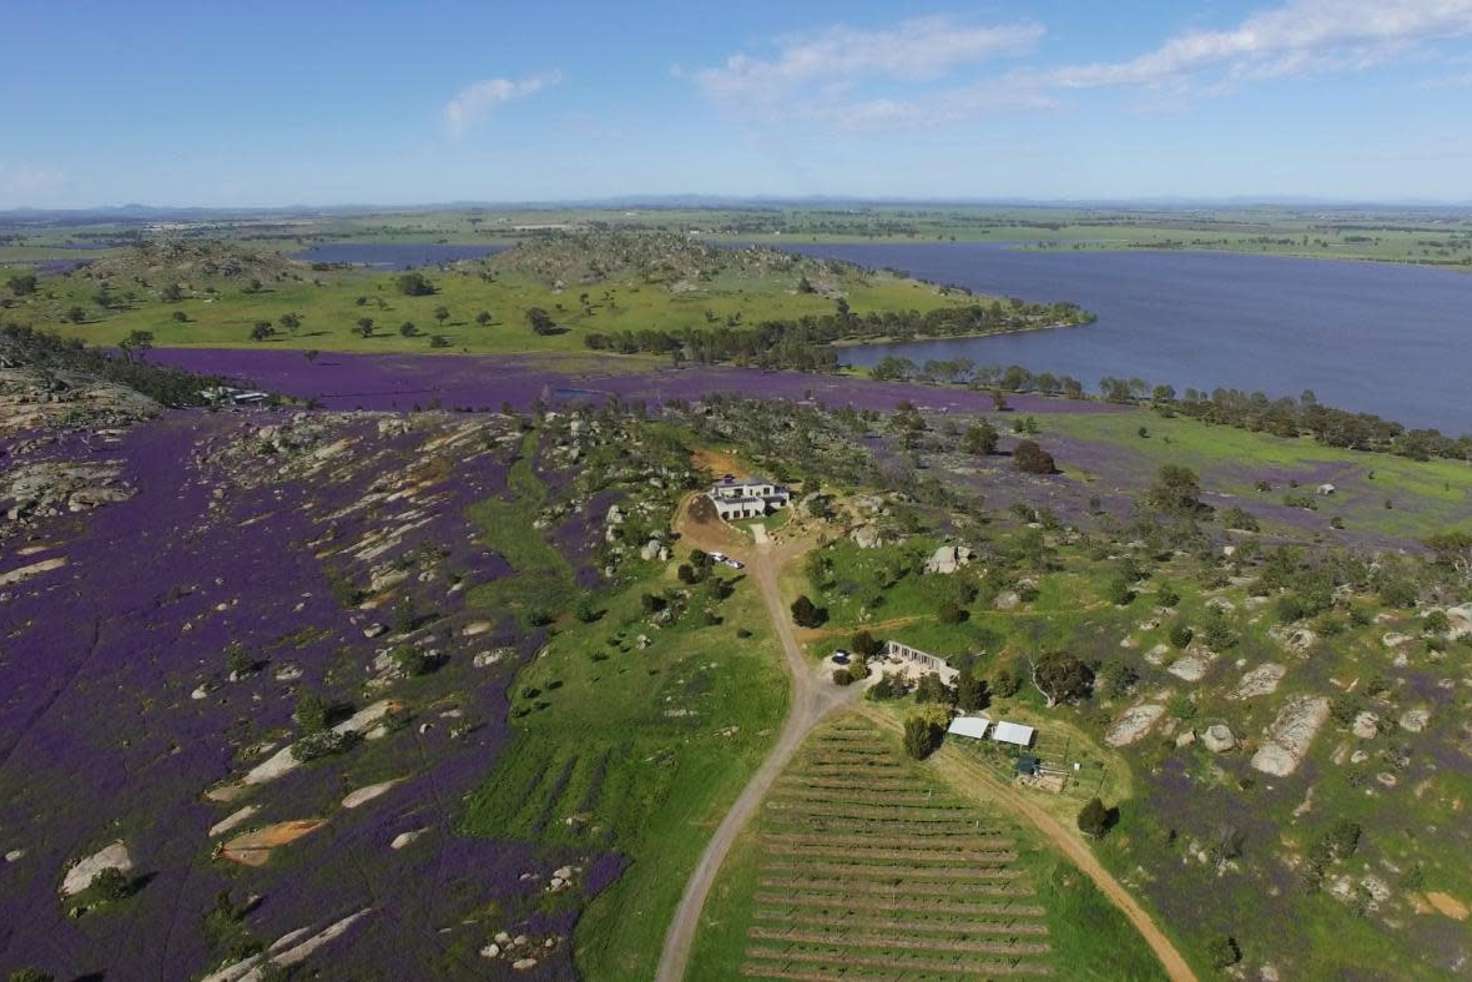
{"points": [[948, 559], [288, 950], [1218, 738], [112, 856], [1261, 681], [1134, 724], [1291, 735]]}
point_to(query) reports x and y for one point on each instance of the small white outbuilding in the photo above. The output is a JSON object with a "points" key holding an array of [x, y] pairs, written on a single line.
{"points": [[969, 726], [1013, 733]]}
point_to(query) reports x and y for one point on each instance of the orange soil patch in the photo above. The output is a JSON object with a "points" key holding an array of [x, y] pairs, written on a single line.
{"points": [[254, 848], [713, 535], [1448, 905], [719, 463]]}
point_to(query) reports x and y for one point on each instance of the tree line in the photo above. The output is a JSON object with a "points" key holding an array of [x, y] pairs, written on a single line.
{"points": [[806, 343], [1255, 411]]}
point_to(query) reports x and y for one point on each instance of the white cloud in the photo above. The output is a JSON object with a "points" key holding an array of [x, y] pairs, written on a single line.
{"points": [[1297, 38], [815, 76], [476, 101]]}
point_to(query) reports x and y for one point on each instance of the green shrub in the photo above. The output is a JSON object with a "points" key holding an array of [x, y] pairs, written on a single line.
{"points": [[922, 737], [1181, 634], [866, 644], [971, 693], [410, 660], [1217, 631], [1236, 518], [1289, 609], [322, 743], [110, 884], [1223, 952], [1436, 622], [312, 712], [1006, 683], [1093, 818], [807, 614], [1117, 591]]}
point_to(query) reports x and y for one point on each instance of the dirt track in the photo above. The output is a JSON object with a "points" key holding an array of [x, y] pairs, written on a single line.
{"points": [[1068, 844], [813, 698]]}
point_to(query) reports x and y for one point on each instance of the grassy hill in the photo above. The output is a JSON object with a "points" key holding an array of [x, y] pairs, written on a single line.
{"points": [[215, 294]]}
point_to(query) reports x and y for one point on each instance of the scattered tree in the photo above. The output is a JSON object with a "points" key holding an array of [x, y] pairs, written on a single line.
{"points": [[136, 343], [1176, 491], [971, 693], [312, 712], [866, 645], [922, 737], [540, 321], [1093, 818], [807, 614], [365, 327], [1062, 678], [1030, 458], [415, 284], [22, 284], [1224, 952], [981, 439]]}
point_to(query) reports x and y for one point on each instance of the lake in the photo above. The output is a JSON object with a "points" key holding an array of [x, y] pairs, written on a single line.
{"points": [[394, 255], [1390, 339]]}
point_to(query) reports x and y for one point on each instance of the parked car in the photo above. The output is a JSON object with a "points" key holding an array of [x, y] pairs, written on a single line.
{"points": [[840, 657]]}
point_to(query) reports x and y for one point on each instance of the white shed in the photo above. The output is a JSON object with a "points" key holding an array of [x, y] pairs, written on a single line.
{"points": [[1015, 733], [969, 726]]}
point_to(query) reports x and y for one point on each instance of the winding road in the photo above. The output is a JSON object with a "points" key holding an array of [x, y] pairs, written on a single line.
{"points": [[814, 697]]}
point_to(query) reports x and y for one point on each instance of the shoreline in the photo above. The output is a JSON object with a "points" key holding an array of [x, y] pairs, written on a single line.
{"points": [[867, 342]]}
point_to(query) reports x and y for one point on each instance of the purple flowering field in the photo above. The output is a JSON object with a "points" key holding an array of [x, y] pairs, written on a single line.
{"points": [[351, 381], [117, 714]]}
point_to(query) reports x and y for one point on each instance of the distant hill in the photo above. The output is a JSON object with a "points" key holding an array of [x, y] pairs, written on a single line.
{"points": [[676, 260], [194, 265]]}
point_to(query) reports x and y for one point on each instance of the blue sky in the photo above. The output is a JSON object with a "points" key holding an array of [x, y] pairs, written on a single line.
{"points": [[328, 102]]}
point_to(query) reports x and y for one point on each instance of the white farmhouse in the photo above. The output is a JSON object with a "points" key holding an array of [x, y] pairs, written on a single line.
{"points": [[751, 498]]}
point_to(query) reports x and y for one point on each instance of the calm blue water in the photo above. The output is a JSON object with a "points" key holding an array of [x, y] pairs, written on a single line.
{"points": [[394, 255], [1375, 337]]}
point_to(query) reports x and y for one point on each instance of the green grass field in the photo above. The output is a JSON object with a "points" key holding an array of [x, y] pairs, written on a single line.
{"points": [[1425, 496], [330, 312], [636, 749]]}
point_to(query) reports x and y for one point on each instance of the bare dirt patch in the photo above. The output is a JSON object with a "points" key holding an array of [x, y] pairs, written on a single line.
{"points": [[719, 463], [254, 848], [1446, 904]]}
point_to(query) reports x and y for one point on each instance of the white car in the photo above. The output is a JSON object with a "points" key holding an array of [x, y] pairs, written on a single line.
{"points": [[719, 557], [734, 563]]}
